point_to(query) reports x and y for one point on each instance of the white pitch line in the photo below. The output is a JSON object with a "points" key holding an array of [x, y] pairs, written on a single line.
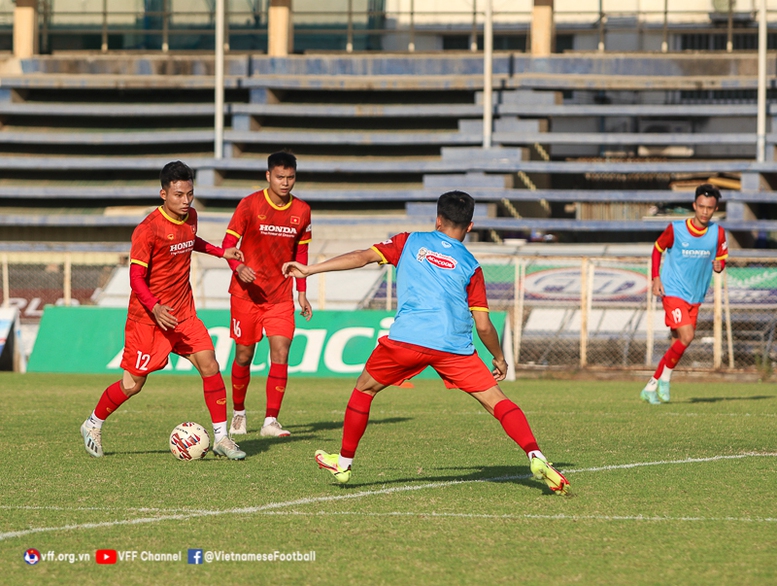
{"points": [[356, 495], [526, 516]]}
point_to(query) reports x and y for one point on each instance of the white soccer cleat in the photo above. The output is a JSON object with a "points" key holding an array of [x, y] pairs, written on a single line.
{"points": [[274, 429], [227, 448], [238, 425], [93, 442]]}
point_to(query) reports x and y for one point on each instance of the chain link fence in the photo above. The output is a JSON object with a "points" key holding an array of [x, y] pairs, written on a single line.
{"points": [[31, 280], [564, 313]]}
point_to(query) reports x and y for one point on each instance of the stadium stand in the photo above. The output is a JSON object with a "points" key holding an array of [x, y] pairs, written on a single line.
{"points": [[581, 144]]}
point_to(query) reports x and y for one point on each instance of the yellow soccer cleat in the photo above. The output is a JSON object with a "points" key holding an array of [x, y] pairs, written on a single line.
{"points": [[543, 470], [329, 462]]}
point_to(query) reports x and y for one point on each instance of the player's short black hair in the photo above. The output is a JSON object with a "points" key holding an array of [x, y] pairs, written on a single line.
{"points": [[707, 190], [283, 159], [175, 171], [456, 207]]}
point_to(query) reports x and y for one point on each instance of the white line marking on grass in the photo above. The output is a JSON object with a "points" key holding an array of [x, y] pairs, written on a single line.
{"points": [[526, 516], [355, 495]]}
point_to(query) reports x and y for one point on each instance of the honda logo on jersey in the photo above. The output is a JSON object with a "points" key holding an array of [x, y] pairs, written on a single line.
{"points": [[274, 230]]}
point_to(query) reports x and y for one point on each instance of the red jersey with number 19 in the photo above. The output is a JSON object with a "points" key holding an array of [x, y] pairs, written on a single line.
{"points": [[269, 235], [164, 246]]}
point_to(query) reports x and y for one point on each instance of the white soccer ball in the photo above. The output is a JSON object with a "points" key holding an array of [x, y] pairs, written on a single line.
{"points": [[189, 441]]}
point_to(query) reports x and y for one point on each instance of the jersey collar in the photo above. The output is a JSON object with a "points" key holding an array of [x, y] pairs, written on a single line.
{"points": [[269, 201], [693, 229], [171, 219]]}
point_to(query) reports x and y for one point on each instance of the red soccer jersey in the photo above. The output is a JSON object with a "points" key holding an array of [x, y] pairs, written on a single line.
{"points": [[269, 235], [164, 246], [391, 250]]}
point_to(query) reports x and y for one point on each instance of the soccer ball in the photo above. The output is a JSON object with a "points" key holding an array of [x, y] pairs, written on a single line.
{"points": [[189, 441]]}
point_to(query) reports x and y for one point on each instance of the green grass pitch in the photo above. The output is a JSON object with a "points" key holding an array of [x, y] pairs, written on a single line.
{"points": [[682, 493]]}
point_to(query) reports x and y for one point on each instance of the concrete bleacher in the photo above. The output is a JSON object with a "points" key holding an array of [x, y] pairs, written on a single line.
{"points": [[369, 131]]}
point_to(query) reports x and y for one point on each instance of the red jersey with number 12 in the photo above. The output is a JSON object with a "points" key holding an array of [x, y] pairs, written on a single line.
{"points": [[164, 246], [269, 237]]}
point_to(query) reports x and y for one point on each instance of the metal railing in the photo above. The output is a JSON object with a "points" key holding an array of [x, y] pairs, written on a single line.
{"points": [[246, 26], [565, 313]]}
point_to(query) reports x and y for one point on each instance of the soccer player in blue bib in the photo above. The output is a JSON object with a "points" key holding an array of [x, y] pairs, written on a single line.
{"points": [[440, 290], [693, 249]]}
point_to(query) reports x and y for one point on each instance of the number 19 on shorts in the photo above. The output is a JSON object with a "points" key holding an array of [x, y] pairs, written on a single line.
{"points": [[677, 315]]}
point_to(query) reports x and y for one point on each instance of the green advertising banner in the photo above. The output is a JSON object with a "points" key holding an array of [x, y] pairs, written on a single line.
{"points": [[331, 344]]}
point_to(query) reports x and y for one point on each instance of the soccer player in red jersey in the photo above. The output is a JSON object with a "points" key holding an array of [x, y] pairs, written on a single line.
{"points": [[693, 248], [440, 292], [161, 318], [272, 227]]}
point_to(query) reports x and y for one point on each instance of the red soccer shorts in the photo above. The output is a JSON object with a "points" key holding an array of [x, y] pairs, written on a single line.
{"points": [[249, 319], [393, 362], [680, 313], [147, 346]]}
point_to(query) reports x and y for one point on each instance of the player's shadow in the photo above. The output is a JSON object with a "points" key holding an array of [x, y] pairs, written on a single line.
{"points": [[111, 453], [720, 399], [312, 428], [520, 475], [253, 444]]}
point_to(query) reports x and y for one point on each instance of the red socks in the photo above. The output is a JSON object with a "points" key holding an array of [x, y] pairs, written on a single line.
{"points": [[215, 397], [671, 358], [110, 400], [276, 386], [241, 376], [357, 414], [514, 423]]}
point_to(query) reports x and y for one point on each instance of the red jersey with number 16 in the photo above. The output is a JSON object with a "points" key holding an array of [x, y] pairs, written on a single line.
{"points": [[164, 246], [269, 235]]}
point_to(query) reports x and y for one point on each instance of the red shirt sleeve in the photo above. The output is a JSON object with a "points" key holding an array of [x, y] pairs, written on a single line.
{"points": [[142, 245], [201, 245], [666, 240], [302, 258], [229, 241], [722, 253], [476, 291], [390, 250], [139, 285]]}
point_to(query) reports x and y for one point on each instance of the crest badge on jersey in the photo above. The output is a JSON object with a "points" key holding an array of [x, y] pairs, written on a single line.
{"points": [[170, 236], [294, 220]]}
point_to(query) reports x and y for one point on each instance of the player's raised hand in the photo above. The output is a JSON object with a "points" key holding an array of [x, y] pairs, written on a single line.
{"points": [[164, 317], [295, 269], [500, 369], [245, 273], [233, 254]]}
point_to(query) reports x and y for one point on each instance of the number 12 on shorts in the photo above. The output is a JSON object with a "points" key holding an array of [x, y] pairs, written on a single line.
{"points": [[142, 362]]}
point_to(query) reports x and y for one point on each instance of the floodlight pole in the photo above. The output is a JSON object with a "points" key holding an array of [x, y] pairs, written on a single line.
{"points": [[761, 130], [218, 120], [488, 66]]}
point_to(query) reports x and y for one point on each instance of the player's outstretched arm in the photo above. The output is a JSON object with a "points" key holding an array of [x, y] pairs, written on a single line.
{"points": [[487, 334], [344, 262], [230, 253], [233, 254]]}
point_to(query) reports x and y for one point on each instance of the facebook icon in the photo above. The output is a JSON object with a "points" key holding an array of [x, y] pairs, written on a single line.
{"points": [[195, 556]]}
